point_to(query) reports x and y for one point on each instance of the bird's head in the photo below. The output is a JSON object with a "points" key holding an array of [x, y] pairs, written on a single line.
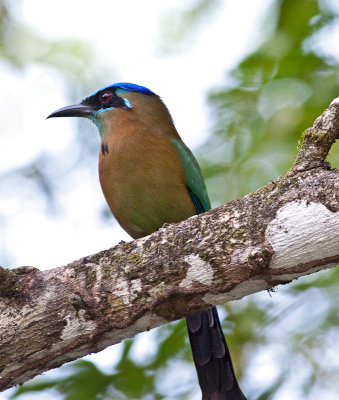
{"points": [[102, 106]]}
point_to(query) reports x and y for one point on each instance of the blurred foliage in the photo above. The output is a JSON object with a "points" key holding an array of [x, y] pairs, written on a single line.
{"points": [[179, 28], [272, 96], [258, 116], [20, 47], [73, 63]]}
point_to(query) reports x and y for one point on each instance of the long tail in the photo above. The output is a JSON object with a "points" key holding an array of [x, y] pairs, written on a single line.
{"points": [[212, 358]]}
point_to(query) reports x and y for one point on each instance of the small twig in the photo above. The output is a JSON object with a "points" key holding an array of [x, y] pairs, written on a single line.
{"points": [[318, 139]]}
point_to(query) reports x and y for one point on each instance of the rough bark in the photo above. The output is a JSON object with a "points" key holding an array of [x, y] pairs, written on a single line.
{"points": [[284, 230]]}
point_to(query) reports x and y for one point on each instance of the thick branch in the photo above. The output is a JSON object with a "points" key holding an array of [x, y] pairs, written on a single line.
{"points": [[280, 232]]}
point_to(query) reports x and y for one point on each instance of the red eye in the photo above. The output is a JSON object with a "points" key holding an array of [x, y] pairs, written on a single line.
{"points": [[106, 97]]}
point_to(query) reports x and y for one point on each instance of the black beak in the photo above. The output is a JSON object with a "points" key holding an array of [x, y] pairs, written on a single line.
{"points": [[75, 110]]}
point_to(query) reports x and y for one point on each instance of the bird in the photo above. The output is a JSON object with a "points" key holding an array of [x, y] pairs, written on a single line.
{"points": [[149, 177]]}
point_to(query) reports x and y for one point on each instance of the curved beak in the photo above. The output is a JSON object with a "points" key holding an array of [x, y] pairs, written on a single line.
{"points": [[75, 110]]}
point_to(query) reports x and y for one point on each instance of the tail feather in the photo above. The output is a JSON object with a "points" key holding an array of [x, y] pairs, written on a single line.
{"points": [[212, 358]]}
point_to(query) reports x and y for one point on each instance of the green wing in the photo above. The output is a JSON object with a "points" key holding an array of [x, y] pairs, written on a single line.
{"points": [[195, 182]]}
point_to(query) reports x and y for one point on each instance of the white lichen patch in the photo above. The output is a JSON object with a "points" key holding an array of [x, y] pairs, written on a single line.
{"points": [[198, 271], [155, 291], [250, 286], [335, 101], [122, 290], [97, 283], [140, 242], [301, 233], [327, 118], [77, 326], [241, 256], [136, 286], [125, 289], [64, 274], [224, 218]]}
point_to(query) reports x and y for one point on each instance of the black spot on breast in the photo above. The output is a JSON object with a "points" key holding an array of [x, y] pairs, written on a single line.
{"points": [[104, 148]]}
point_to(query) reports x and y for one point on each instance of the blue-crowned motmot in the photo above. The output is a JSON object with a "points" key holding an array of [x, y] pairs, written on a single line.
{"points": [[149, 177]]}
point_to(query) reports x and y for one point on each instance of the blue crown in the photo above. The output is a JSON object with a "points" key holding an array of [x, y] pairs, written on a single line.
{"points": [[131, 87], [125, 86]]}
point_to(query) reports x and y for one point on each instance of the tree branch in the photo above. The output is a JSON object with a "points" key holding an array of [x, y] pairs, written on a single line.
{"points": [[284, 230]]}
